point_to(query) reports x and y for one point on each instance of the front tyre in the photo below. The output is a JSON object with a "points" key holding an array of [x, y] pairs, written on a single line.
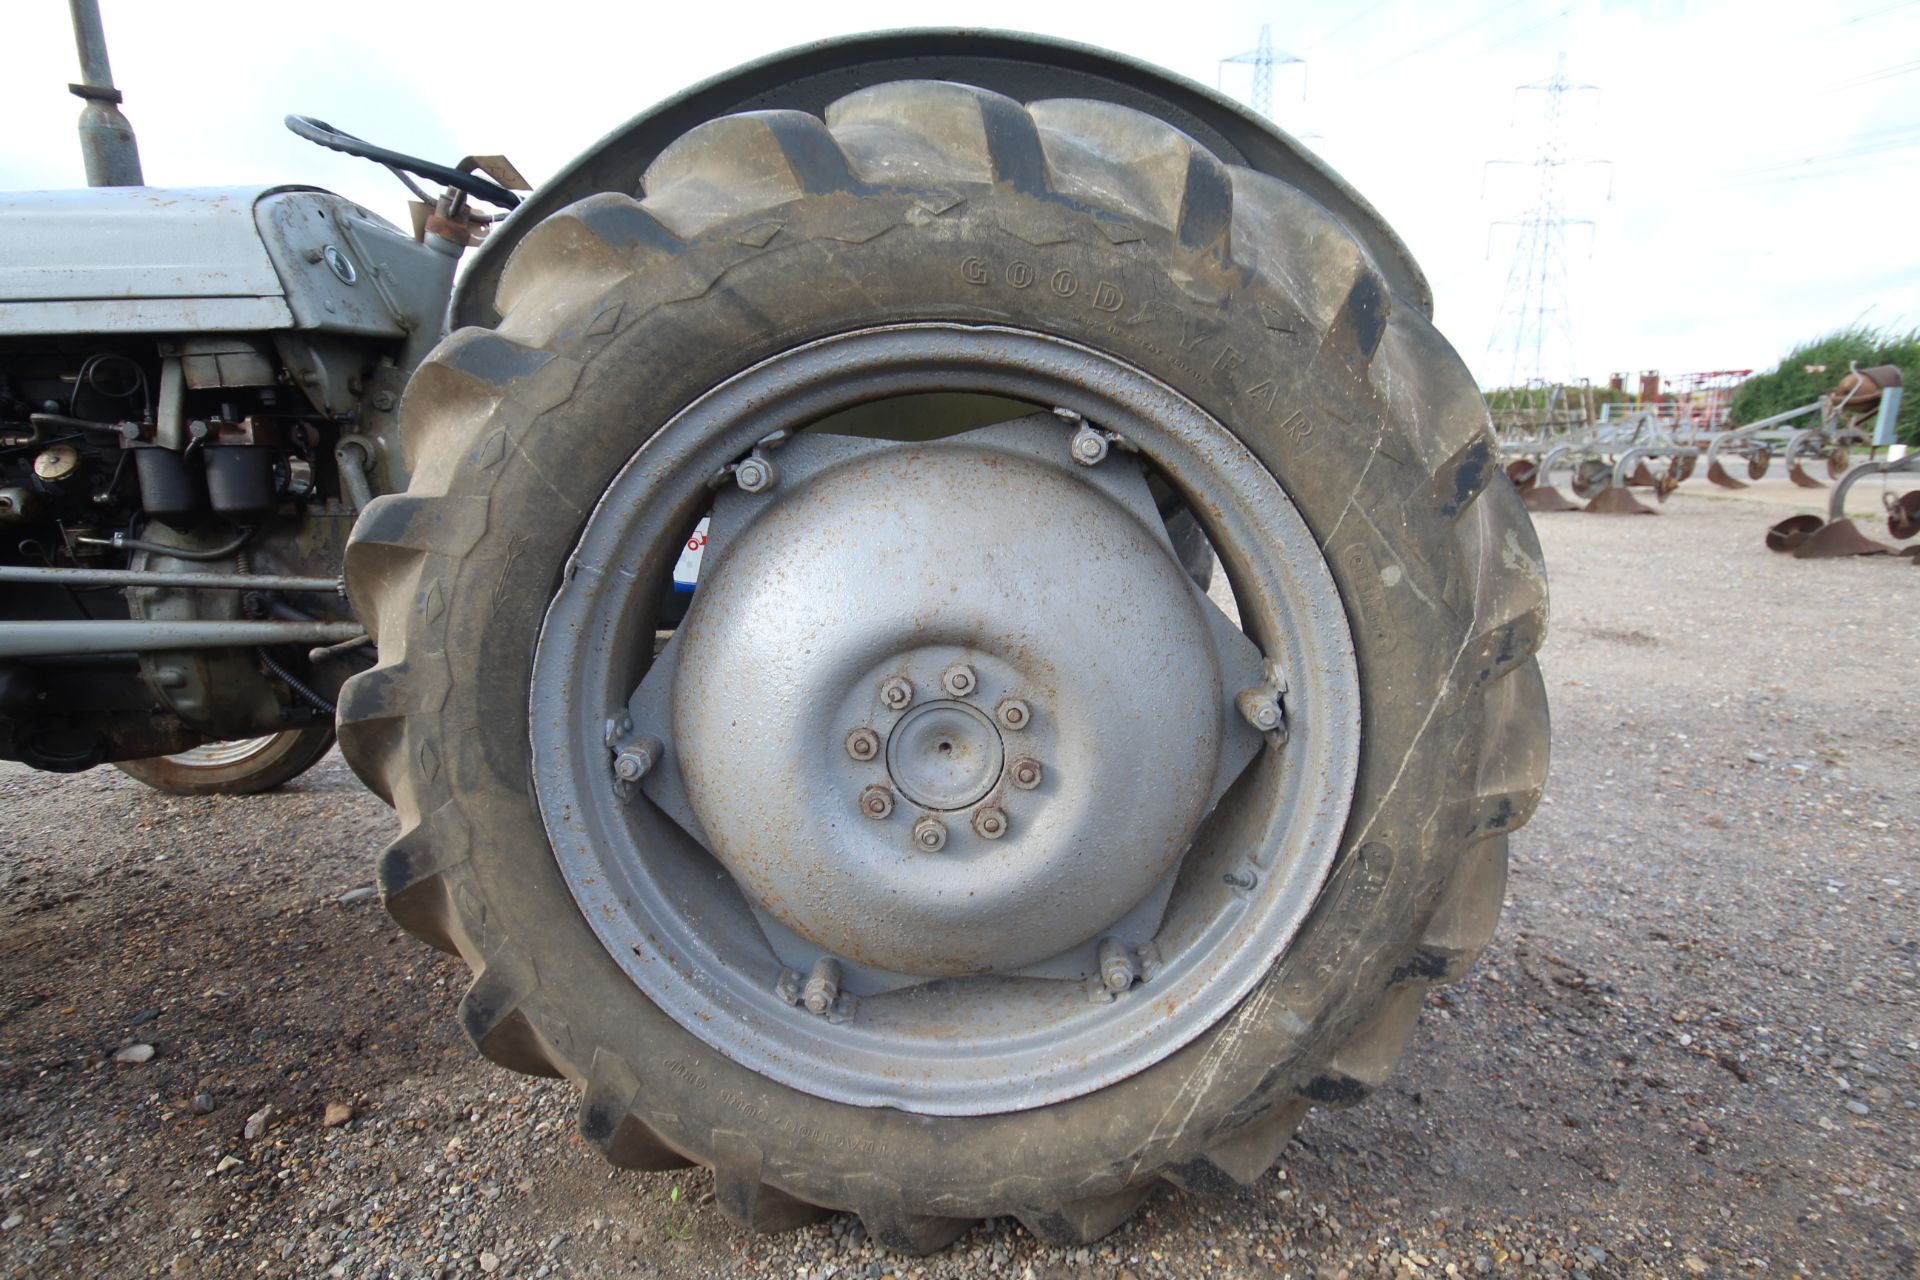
{"points": [[243, 767], [954, 820]]}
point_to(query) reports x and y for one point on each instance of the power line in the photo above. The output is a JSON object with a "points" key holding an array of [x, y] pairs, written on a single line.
{"points": [[1870, 15], [1439, 40], [1557, 16], [1884, 73], [1352, 21]]}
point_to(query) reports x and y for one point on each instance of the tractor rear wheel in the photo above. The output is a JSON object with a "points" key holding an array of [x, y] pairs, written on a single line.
{"points": [[956, 856]]}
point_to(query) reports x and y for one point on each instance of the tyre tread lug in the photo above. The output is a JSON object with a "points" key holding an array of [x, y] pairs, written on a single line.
{"points": [[741, 1191], [610, 1122], [494, 1015]]}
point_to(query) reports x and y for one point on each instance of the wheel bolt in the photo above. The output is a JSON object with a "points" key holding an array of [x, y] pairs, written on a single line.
{"points": [[1089, 446], [876, 802], [754, 475], [930, 834], [959, 680], [635, 762], [1026, 773], [990, 824], [1261, 709], [863, 743], [1116, 965], [896, 693], [1013, 714], [823, 986]]}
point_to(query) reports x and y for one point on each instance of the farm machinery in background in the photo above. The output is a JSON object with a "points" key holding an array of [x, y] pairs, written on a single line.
{"points": [[1659, 444]]}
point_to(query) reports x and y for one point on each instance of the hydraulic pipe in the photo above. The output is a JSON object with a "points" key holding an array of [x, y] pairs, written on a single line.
{"points": [[44, 639], [156, 578]]}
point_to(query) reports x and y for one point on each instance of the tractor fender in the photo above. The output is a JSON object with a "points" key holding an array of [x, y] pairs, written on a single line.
{"points": [[1025, 67]]}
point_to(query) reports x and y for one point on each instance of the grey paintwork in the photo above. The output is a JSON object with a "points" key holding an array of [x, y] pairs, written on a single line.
{"points": [[150, 260]]}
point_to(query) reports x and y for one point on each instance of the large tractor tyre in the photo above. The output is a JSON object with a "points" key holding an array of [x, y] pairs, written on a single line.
{"points": [[807, 898], [243, 767]]}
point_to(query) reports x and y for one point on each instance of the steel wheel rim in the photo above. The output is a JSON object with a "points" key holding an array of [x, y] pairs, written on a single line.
{"points": [[628, 866], [223, 755]]}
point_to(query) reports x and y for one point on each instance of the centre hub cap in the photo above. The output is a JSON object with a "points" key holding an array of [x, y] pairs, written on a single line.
{"points": [[944, 755]]}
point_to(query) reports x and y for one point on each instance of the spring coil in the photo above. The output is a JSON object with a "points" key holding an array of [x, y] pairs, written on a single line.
{"points": [[294, 683]]}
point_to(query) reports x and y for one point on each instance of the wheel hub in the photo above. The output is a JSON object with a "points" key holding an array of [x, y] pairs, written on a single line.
{"points": [[811, 919], [923, 604]]}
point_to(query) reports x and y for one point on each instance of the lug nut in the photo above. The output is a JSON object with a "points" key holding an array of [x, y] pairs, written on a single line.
{"points": [[959, 680], [1089, 446], [876, 802], [896, 693], [930, 834], [1026, 773], [1116, 966], [863, 743], [1013, 714], [990, 824], [754, 475]]}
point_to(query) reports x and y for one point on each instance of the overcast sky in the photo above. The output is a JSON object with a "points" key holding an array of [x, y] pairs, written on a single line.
{"points": [[1765, 155]]}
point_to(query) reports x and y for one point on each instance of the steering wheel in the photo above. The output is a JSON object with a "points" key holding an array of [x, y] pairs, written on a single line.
{"points": [[324, 134]]}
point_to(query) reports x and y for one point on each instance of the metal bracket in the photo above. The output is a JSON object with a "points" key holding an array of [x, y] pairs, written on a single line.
{"points": [[819, 993]]}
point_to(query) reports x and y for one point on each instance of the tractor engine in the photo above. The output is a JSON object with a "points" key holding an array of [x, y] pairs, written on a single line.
{"points": [[183, 451]]}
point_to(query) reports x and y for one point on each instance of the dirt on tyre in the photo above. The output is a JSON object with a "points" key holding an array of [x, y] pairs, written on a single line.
{"points": [[956, 857], [240, 768]]}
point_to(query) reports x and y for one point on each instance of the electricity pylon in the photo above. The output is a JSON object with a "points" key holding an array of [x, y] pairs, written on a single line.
{"points": [[1535, 326]]}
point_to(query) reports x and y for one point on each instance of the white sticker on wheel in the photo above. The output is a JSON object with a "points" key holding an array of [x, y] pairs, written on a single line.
{"points": [[686, 570]]}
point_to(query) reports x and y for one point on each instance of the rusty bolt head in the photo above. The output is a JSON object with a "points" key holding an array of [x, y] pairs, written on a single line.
{"points": [[1026, 773], [896, 693], [1013, 713], [930, 834], [1261, 709], [877, 802], [1089, 446], [863, 743], [754, 475], [989, 824], [959, 680]]}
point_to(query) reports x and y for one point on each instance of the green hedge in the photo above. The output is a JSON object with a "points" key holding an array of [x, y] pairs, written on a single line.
{"points": [[1788, 385]]}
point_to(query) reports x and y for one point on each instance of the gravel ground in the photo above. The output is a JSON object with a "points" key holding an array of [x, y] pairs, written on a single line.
{"points": [[1692, 1050]]}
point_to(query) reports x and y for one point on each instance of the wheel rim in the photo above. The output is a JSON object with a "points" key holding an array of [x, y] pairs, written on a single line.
{"points": [[756, 893], [223, 755]]}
